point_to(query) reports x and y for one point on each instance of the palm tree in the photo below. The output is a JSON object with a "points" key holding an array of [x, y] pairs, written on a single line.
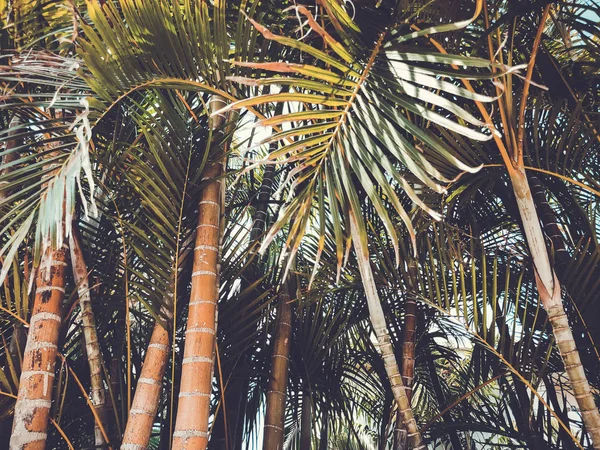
{"points": [[92, 346], [136, 95], [278, 379]]}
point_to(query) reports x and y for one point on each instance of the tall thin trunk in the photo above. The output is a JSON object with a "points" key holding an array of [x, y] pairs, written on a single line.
{"points": [[550, 296], [115, 389], [235, 396], [92, 346], [409, 338], [32, 408], [383, 337], [147, 393], [409, 332], [306, 425], [278, 380], [191, 423], [324, 428]]}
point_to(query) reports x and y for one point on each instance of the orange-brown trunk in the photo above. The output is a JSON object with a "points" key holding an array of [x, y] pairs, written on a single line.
{"points": [[277, 392], [147, 394], [32, 408], [191, 423]]}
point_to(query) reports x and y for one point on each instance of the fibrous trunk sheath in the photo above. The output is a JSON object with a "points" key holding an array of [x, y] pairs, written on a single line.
{"points": [[550, 296], [278, 380], [147, 393], [191, 424], [92, 346], [32, 408]]}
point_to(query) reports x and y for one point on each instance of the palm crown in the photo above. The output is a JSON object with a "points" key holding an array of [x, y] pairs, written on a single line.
{"points": [[291, 164]]}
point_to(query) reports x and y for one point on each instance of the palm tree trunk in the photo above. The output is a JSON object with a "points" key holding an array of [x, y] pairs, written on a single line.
{"points": [[147, 393], [409, 333], [32, 408], [383, 337], [92, 346], [548, 218], [324, 428], [550, 296], [235, 396], [409, 336], [191, 423], [305, 429], [277, 392], [115, 389]]}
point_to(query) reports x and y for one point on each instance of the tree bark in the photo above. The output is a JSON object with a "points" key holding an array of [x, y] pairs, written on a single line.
{"points": [[550, 296], [383, 337], [409, 337], [305, 429], [324, 428], [409, 333], [548, 218], [147, 393], [235, 396], [191, 423], [278, 380], [32, 408], [92, 346]]}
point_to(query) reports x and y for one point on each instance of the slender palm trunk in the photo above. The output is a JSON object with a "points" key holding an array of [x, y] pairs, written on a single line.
{"points": [[236, 394], [324, 429], [409, 336], [92, 346], [147, 394], [32, 408], [305, 429], [409, 332], [383, 338], [550, 296], [115, 389], [277, 391], [191, 424]]}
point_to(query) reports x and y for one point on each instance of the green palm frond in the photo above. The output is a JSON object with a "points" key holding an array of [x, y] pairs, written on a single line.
{"points": [[352, 123], [50, 99]]}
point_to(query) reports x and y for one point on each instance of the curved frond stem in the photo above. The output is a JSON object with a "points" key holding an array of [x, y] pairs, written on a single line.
{"points": [[527, 83], [557, 175]]}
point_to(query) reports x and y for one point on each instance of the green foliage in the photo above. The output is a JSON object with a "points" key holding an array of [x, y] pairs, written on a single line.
{"points": [[368, 118]]}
